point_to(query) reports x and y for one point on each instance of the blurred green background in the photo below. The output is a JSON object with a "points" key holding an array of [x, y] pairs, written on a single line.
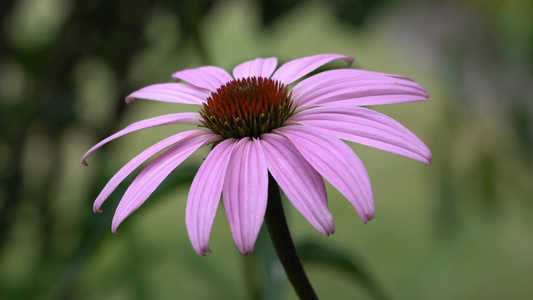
{"points": [[458, 229]]}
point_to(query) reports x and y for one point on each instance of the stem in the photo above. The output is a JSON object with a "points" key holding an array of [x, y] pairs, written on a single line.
{"points": [[281, 238]]}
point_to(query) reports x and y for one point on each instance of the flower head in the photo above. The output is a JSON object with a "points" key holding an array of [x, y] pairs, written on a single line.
{"points": [[260, 125]]}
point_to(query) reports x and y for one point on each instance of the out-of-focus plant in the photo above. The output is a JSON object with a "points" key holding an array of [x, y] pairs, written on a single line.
{"points": [[47, 47]]}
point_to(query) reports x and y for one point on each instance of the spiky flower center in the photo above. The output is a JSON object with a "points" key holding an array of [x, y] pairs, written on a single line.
{"points": [[247, 107]]}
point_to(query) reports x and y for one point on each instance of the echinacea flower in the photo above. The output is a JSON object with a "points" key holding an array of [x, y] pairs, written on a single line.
{"points": [[259, 124]]}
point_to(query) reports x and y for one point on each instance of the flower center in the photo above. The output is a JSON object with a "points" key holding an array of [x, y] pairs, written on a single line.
{"points": [[247, 107]]}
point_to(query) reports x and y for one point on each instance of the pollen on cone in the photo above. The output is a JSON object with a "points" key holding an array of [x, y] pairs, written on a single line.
{"points": [[247, 107]]}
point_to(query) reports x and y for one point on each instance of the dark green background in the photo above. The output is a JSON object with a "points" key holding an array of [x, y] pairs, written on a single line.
{"points": [[458, 229]]}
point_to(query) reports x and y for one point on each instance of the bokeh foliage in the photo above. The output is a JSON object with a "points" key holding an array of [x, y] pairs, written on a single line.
{"points": [[458, 229]]}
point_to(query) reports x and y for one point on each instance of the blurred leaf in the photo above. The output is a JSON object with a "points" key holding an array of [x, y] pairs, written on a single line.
{"points": [[446, 214], [191, 14], [355, 12], [272, 10], [488, 174], [273, 276], [313, 252], [524, 129], [97, 228], [266, 277]]}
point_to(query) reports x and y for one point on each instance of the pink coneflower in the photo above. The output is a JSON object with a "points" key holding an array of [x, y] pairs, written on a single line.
{"points": [[259, 124]]}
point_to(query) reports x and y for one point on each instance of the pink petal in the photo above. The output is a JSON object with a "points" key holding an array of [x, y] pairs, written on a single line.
{"points": [[150, 178], [367, 127], [295, 69], [356, 87], [204, 195], [334, 160], [171, 92], [140, 159], [327, 78], [208, 77], [259, 67], [245, 193], [179, 118], [302, 184]]}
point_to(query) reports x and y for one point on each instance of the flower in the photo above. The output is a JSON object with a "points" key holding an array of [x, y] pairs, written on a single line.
{"points": [[260, 125]]}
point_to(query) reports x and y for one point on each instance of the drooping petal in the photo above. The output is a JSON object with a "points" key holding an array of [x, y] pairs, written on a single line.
{"points": [[302, 184], [179, 118], [171, 92], [208, 77], [245, 193], [367, 127], [337, 162], [140, 159], [327, 78], [296, 69], [356, 87], [259, 67], [150, 178], [204, 195]]}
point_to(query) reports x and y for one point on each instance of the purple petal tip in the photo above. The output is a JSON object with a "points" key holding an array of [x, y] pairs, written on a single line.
{"points": [[349, 60], [129, 100], [204, 252], [328, 233]]}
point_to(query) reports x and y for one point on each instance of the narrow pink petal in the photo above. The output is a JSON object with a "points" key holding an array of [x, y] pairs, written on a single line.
{"points": [[337, 162], [171, 92], [150, 178], [327, 78], [260, 67], [367, 127], [140, 159], [302, 184], [356, 87], [296, 69], [245, 193], [179, 118], [208, 77], [204, 195], [372, 100]]}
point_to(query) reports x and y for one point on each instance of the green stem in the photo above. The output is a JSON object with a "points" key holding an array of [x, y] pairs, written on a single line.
{"points": [[281, 238]]}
